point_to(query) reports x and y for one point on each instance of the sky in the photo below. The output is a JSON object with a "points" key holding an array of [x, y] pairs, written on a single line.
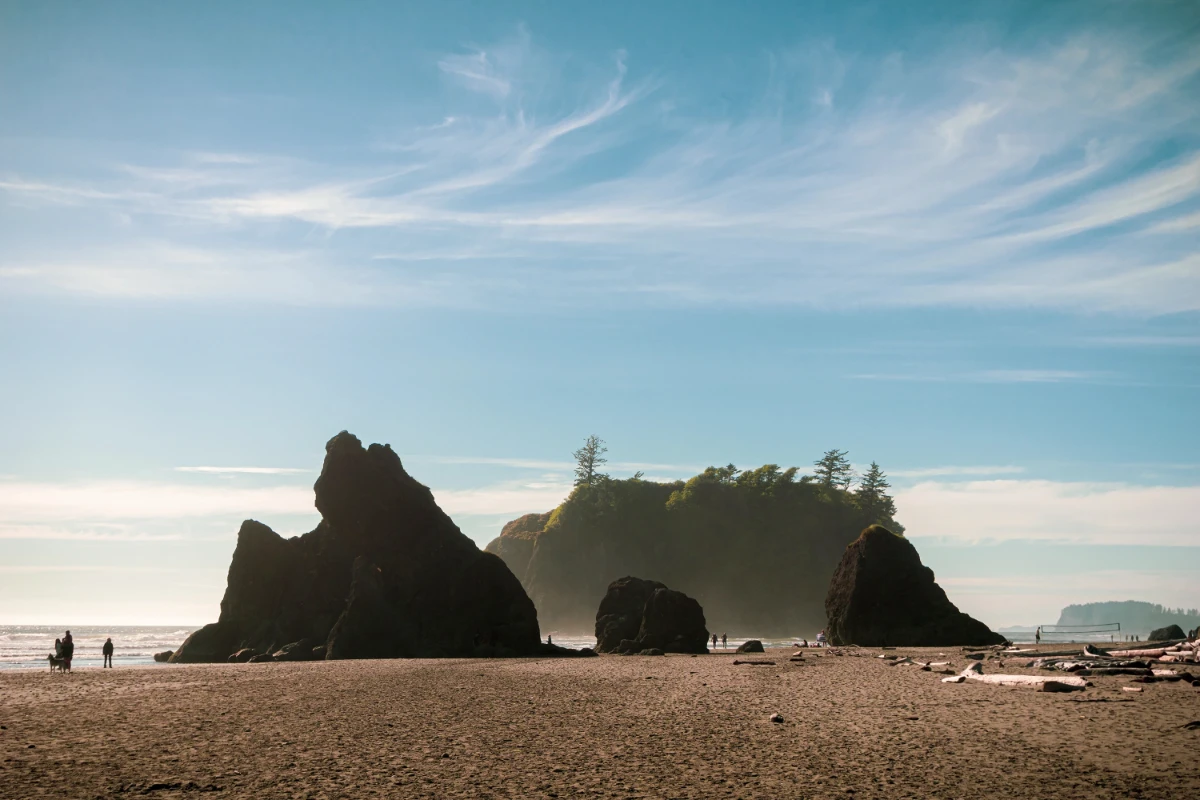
{"points": [[961, 240]]}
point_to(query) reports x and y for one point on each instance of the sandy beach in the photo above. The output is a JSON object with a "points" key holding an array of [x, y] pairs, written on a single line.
{"points": [[668, 727]]}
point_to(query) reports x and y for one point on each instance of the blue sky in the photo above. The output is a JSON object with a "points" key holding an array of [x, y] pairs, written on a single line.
{"points": [[963, 242]]}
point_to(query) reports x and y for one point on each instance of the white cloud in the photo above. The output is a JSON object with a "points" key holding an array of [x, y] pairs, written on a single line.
{"points": [[244, 470], [1097, 513], [506, 498], [933, 472], [1032, 375], [991, 376], [23, 501]]}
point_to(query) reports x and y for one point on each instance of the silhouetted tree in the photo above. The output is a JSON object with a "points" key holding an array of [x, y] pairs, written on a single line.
{"points": [[872, 496], [588, 460], [834, 470]]}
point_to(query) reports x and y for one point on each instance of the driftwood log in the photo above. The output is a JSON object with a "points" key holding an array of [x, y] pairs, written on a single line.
{"points": [[974, 672]]}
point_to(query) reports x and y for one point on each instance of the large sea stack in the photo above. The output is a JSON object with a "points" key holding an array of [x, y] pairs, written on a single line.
{"points": [[734, 538], [386, 574], [638, 615], [882, 595]]}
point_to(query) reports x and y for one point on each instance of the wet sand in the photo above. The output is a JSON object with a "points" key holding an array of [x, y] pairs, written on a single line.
{"points": [[611, 726]]}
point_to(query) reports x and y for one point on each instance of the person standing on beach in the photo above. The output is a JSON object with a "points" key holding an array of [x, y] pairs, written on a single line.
{"points": [[58, 648], [724, 645], [68, 649], [714, 640], [1037, 635], [108, 651]]}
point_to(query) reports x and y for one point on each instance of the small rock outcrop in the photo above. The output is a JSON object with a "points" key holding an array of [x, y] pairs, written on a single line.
{"points": [[881, 594], [1167, 634], [752, 646], [637, 615], [386, 574], [164, 656]]}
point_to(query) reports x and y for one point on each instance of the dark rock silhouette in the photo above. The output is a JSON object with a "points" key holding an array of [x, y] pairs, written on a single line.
{"points": [[752, 646], [1167, 633], [242, 656], [637, 615], [882, 595], [165, 655], [385, 574]]}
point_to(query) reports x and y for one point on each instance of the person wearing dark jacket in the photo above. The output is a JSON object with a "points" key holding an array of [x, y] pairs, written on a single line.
{"points": [[68, 649], [108, 651]]}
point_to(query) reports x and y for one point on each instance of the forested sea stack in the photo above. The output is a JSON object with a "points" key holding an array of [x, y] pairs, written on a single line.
{"points": [[881, 594], [386, 574], [758, 547]]}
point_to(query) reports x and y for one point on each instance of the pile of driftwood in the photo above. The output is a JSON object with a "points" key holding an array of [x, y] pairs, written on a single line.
{"points": [[1145, 665], [1139, 663]]}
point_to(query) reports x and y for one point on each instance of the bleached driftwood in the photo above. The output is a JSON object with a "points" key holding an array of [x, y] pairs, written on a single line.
{"points": [[974, 672]]}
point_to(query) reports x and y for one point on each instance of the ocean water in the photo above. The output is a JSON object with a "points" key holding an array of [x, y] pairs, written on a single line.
{"points": [[26, 646]]}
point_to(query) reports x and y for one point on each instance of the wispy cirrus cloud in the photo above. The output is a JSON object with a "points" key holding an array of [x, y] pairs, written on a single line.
{"points": [[993, 376], [244, 470], [973, 471], [995, 178]]}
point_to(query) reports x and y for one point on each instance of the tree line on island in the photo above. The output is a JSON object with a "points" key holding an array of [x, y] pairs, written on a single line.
{"points": [[833, 472], [759, 545]]}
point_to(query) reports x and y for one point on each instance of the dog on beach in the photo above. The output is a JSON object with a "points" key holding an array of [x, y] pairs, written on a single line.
{"points": [[60, 664]]}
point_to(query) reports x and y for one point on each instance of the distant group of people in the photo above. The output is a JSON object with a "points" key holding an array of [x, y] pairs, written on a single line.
{"points": [[64, 651], [724, 641]]}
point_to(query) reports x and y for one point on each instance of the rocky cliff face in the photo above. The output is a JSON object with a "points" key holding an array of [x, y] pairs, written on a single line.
{"points": [[385, 574], [882, 595], [515, 543]]}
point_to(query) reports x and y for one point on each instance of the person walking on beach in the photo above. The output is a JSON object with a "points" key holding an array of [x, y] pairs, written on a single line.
{"points": [[1037, 635], [68, 650], [108, 651], [714, 641], [724, 642]]}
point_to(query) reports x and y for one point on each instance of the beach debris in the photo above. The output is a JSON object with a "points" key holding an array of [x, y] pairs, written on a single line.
{"points": [[1057, 686], [881, 594], [651, 651], [242, 656], [1191, 726], [638, 614], [760, 663], [1131, 688], [752, 646], [777, 718], [974, 672], [295, 651]]}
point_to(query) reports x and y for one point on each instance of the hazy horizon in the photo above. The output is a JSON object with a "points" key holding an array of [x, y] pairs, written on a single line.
{"points": [[962, 242]]}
